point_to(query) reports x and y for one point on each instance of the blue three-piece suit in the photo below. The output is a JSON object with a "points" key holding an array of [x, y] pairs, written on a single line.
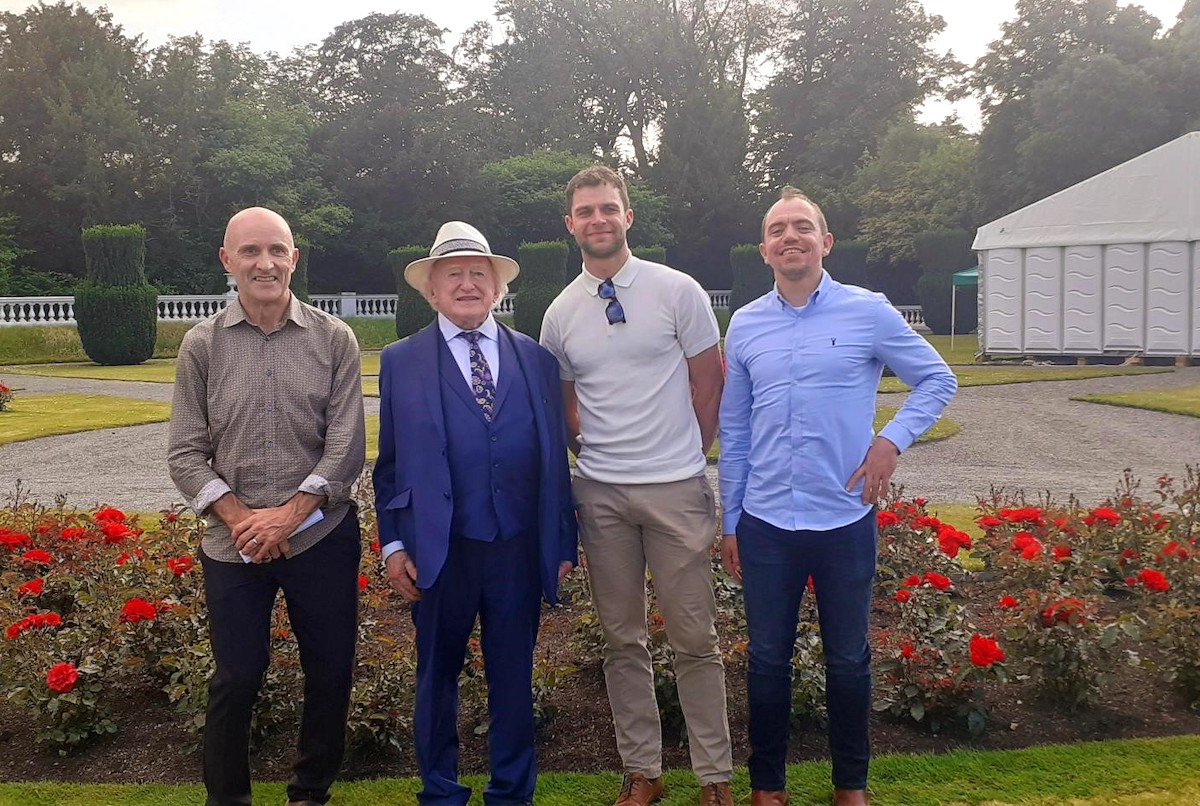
{"points": [[484, 511]]}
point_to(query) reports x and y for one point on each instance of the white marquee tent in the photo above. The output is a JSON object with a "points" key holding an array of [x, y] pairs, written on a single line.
{"points": [[1110, 266]]}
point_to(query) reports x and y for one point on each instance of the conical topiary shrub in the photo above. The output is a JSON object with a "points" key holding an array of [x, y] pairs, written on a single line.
{"points": [[751, 277], [299, 284], [543, 275], [116, 310], [412, 310]]}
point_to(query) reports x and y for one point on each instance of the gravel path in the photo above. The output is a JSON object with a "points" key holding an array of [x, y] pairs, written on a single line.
{"points": [[1029, 436]]}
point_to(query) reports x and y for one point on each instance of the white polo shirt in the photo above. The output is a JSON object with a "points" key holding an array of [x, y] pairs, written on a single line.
{"points": [[637, 425]]}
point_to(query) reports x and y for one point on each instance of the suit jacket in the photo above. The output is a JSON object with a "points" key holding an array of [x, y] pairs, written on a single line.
{"points": [[413, 496]]}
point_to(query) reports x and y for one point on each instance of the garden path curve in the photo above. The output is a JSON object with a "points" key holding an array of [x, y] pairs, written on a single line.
{"points": [[1029, 436]]}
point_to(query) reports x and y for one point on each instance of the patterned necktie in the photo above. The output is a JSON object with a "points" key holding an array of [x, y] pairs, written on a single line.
{"points": [[482, 387]]}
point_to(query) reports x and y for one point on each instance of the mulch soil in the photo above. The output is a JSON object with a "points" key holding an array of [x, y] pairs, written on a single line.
{"points": [[154, 746]]}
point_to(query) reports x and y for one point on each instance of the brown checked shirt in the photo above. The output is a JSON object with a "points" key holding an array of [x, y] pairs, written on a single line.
{"points": [[267, 416]]}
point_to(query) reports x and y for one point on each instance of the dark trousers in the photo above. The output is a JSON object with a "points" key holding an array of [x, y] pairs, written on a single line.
{"points": [[776, 565], [320, 587], [499, 583]]}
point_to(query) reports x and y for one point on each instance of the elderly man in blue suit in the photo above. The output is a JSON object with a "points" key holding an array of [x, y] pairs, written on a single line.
{"points": [[473, 495]]}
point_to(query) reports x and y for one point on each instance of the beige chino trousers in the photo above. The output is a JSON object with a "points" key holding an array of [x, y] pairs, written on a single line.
{"points": [[669, 529]]}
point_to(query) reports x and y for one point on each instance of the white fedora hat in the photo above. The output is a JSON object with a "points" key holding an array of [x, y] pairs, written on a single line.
{"points": [[458, 239]]}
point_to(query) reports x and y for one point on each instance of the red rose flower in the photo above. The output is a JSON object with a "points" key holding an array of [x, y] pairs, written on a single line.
{"points": [[985, 651], [912, 582], [1022, 515], [32, 588], [37, 556], [137, 609], [1154, 580], [951, 540], [907, 651], [1061, 552], [73, 533], [109, 515], [62, 677], [14, 540], [926, 522], [1007, 602], [885, 518], [362, 582], [180, 565], [115, 532], [1064, 611], [938, 581], [1131, 581], [903, 596], [920, 501], [375, 545], [1032, 550], [988, 522], [1102, 515]]}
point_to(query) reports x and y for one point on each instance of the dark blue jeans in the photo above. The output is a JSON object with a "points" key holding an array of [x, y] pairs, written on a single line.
{"points": [[776, 565]]}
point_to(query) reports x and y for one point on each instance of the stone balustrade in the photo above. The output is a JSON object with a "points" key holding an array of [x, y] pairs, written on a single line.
{"points": [[346, 305]]}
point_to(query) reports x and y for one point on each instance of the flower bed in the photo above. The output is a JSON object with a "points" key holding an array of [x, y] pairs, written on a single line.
{"points": [[101, 607]]}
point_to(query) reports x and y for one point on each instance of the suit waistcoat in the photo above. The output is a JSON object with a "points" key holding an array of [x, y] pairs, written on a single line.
{"points": [[494, 467]]}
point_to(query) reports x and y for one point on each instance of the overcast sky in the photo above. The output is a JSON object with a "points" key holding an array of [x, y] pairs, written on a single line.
{"points": [[280, 25]]}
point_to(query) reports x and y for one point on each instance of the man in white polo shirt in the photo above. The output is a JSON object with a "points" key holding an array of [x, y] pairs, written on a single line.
{"points": [[636, 344]]}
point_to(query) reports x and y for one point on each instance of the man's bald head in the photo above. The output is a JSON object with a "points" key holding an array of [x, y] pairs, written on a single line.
{"points": [[255, 217]]}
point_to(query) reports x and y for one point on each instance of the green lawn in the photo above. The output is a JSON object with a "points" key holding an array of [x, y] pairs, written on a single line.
{"points": [[33, 416], [155, 371], [1184, 400], [1141, 771], [995, 376], [60, 343]]}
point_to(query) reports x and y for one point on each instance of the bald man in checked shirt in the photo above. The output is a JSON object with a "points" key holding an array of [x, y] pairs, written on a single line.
{"points": [[266, 440], [801, 470]]}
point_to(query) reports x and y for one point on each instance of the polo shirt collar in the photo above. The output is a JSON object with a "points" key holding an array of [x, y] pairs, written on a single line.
{"points": [[623, 278]]}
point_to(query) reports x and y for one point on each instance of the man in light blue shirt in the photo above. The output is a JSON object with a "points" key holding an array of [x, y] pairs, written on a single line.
{"points": [[801, 470]]}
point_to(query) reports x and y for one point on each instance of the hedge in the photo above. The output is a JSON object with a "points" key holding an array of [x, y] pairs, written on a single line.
{"points": [[412, 310], [544, 274], [751, 277]]}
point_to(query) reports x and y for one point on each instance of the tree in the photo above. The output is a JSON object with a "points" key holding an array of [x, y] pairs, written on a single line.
{"points": [[1044, 36], [69, 131], [1090, 114], [1175, 69], [919, 179], [383, 140], [845, 70], [523, 198]]}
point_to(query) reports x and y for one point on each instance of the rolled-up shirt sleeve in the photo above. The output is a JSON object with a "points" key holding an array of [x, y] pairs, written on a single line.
{"points": [[345, 431]]}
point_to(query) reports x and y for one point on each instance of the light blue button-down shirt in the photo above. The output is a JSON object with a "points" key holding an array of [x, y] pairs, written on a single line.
{"points": [[798, 409]]}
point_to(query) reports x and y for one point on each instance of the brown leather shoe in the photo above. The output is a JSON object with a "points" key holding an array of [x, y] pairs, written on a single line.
{"points": [[716, 794], [763, 797], [850, 797], [638, 790]]}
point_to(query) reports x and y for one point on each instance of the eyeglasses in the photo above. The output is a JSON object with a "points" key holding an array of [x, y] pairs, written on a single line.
{"points": [[613, 311]]}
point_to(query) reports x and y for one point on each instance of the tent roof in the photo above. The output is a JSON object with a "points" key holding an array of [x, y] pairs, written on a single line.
{"points": [[967, 276], [1153, 197]]}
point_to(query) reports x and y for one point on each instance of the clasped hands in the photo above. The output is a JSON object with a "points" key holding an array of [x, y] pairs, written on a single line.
{"points": [[260, 534]]}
